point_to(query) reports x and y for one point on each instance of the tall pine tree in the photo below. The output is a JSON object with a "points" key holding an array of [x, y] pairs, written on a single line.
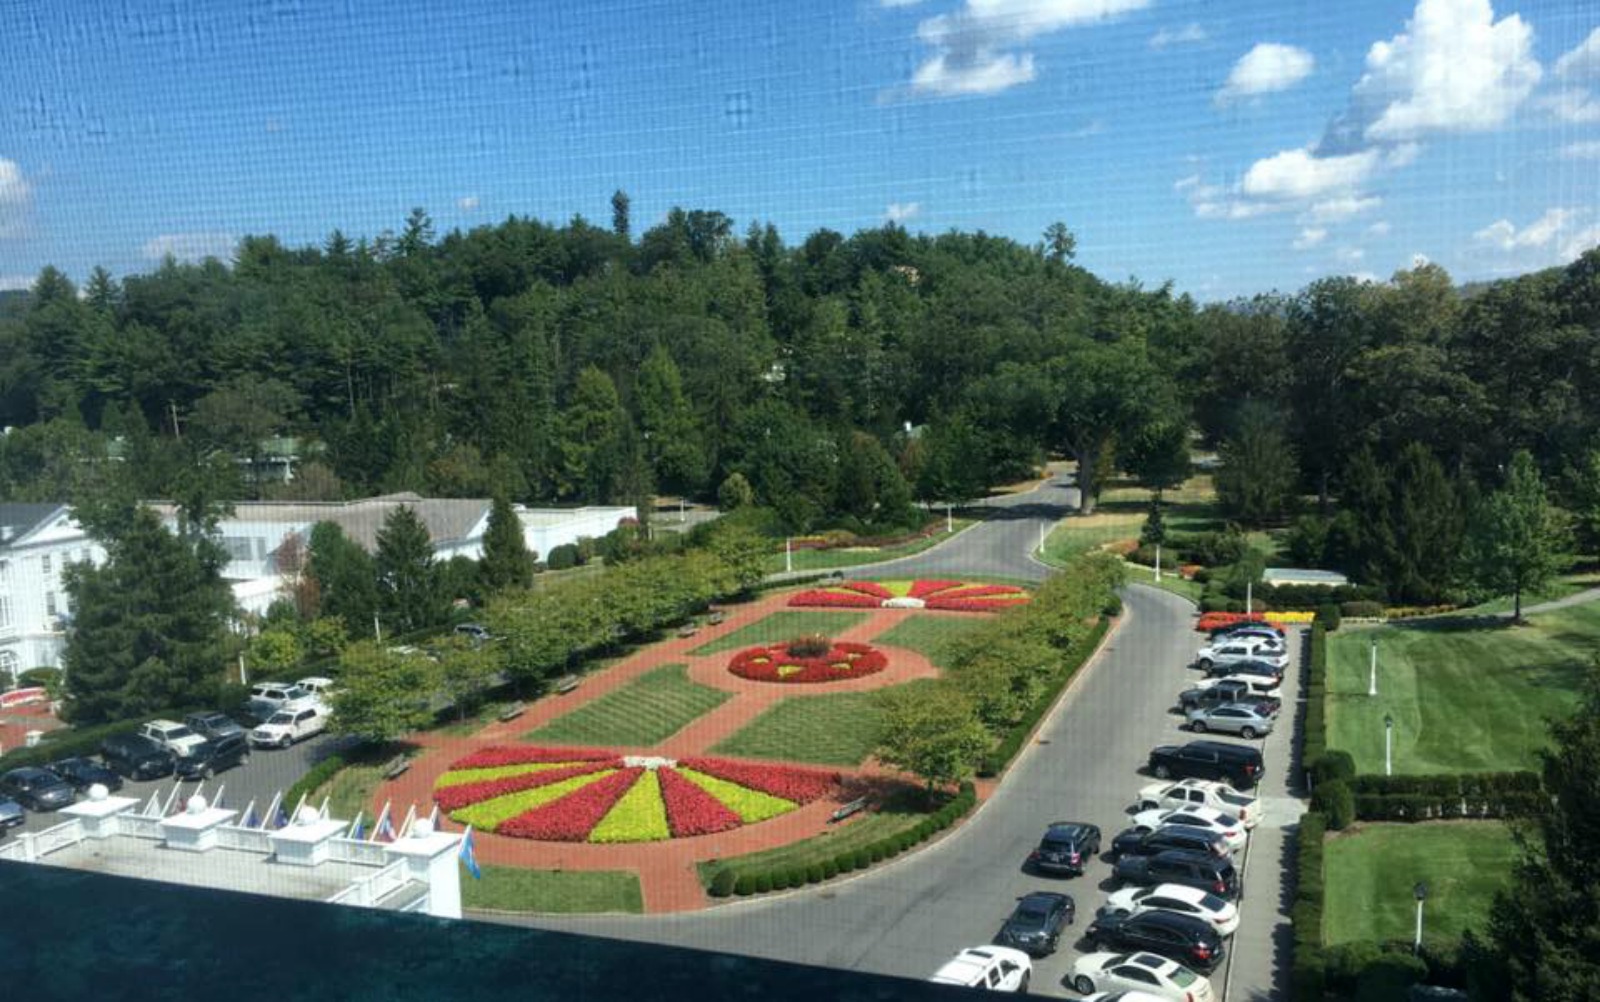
{"points": [[408, 581], [506, 560], [347, 581]]}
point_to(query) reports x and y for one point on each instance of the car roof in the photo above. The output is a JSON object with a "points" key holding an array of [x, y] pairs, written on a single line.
{"points": [[163, 723], [30, 772], [1189, 856], [1237, 751], [1042, 897], [1151, 961], [1068, 828]]}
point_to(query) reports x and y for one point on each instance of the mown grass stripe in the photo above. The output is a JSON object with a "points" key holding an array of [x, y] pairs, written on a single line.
{"points": [[646, 711]]}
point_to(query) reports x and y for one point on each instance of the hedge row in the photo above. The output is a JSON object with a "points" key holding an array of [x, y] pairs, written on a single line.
{"points": [[1426, 798], [1314, 735], [744, 881], [1307, 973], [996, 760], [306, 785], [70, 742]]}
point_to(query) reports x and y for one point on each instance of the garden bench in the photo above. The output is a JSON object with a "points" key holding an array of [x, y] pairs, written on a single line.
{"points": [[688, 631], [853, 807], [716, 617], [396, 767], [566, 684], [513, 711]]}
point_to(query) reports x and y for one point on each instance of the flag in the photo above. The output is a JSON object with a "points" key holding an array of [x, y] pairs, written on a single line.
{"points": [[469, 859], [250, 819], [359, 828], [382, 828], [282, 820]]}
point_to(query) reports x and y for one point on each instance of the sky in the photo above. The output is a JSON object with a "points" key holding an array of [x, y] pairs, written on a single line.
{"points": [[1230, 148]]}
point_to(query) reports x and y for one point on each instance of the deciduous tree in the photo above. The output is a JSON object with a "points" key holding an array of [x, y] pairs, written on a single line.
{"points": [[931, 731], [1515, 538]]}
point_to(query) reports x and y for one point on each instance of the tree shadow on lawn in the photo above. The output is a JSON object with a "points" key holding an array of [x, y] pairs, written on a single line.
{"points": [[1457, 624]]}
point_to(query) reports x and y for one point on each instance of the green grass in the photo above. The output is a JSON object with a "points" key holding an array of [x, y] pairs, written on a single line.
{"points": [[1139, 574], [513, 889], [851, 556], [782, 626], [1121, 512], [350, 791], [927, 635], [649, 709], [1371, 870], [827, 730], [1464, 697], [1559, 588]]}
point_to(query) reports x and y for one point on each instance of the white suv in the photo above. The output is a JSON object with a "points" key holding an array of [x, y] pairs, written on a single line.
{"points": [[1201, 793], [995, 968], [291, 724], [1247, 649], [173, 736]]}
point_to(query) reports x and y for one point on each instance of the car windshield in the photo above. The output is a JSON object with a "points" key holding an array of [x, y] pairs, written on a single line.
{"points": [[1182, 977], [1213, 903], [177, 733], [1030, 915], [282, 718], [1236, 799]]}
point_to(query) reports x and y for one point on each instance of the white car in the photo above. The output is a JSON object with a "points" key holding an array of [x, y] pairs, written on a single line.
{"points": [[1127, 996], [1260, 685], [318, 686], [1233, 651], [1144, 972], [176, 738], [1208, 818], [291, 724], [1192, 901], [1200, 793], [995, 968]]}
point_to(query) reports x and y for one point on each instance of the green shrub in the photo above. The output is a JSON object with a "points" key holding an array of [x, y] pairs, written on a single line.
{"points": [[1113, 606], [1334, 799], [844, 862], [745, 885], [562, 557], [875, 852], [306, 785], [1361, 609], [1333, 764], [1328, 616], [830, 869], [814, 874], [905, 840], [863, 859], [1389, 978], [763, 882], [723, 883]]}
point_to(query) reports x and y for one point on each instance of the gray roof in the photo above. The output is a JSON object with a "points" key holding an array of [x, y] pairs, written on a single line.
{"points": [[447, 519], [17, 520]]}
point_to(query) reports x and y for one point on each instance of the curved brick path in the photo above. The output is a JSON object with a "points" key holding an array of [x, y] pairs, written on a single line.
{"points": [[666, 869]]}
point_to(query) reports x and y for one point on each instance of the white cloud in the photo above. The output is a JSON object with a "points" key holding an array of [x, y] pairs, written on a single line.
{"points": [[11, 283], [975, 46], [467, 203], [1351, 255], [1403, 155], [1310, 237], [14, 188], [1540, 233], [1574, 104], [1454, 68], [1587, 150], [1583, 62], [899, 212], [1264, 69], [1343, 207], [1571, 247], [189, 246], [1302, 175], [1186, 35], [1378, 229]]}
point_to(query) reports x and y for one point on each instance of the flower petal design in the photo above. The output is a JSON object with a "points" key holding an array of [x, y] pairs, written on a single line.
{"points": [[574, 816]]}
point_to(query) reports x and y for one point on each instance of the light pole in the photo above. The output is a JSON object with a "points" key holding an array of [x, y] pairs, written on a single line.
{"points": [[1388, 744], [788, 555], [1372, 675], [949, 523], [1421, 893], [1158, 561], [1249, 597]]}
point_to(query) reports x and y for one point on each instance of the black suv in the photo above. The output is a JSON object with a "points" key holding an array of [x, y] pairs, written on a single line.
{"points": [[1142, 842], [212, 725], [1067, 847], [1210, 873], [82, 773], [1258, 669], [136, 757], [1238, 765], [36, 789], [1224, 692], [1036, 923], [1188, 940], [213, 756]]}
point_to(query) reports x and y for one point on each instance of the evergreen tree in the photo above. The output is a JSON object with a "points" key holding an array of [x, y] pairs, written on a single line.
{"points": [[672, 441], [1257, 478], [150, 625], [593, 442], [347, 581], [408, 581], [1514, 544], [620, 211], [506, 560]]}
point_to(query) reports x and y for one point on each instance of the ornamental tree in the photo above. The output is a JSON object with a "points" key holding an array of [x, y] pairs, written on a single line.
{"points": [[930, 731], [1514, 542]]}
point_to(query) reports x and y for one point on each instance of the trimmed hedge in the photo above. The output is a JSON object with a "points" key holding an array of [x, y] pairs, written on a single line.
{"points": [[1314, 735], [1307, 974], [1335, 800], [1361, 609], [1428, 798], [307, 784], [996, 761], [1328, 616]]}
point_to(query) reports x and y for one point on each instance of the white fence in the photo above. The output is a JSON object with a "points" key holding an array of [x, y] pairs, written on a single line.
{"points": [[140, 826], [349, 850], [368, 891], [67, 833], [244, 839]]}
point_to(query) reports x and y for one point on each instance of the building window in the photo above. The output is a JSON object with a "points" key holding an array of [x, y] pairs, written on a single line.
{"points": [[5, 612], [50, 604], [9, 667], [44, 564], [5, 572], [239, 548]]}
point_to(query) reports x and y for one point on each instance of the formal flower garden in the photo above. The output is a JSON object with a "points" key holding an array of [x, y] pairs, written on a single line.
{"points": [[808, 660], [949, 596], [592, 795], [1217, 620]]}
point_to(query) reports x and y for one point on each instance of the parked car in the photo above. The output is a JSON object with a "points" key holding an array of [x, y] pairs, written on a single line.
{"points": [[1231, 718], [171, 735], [36, 789], [1201, 793], [996, 968], [82, 773], [1264, 685], [1204, 870], [134, 756], [1238, 765], [1249, 628], [276, 695], [1144, 972], [1265, 669], [1036, 922], [1207, 818], [214, 756], [1178, 898], [1144, 840], [1127, 996], [1228, 690], [11, 814], [291, 724], [1067, 847], [213, 725], [1190, 941], [317, 686], [1235, 651]]}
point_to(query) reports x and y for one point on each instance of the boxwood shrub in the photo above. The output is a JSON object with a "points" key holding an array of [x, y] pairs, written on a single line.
{"points": [[764, 882], [745, 884], [830, 869], [723, 883], [815, 874]]}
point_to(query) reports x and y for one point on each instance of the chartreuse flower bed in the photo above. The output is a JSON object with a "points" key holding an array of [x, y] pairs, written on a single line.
{"points": [[598, 797]]}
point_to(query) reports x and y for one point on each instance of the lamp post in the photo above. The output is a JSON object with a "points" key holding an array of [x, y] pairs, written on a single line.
{"points": [[1158, 561], [1388, 744], [1249, 597], [1372, 676], [788, 554], [949, 523], [1421, 893]]}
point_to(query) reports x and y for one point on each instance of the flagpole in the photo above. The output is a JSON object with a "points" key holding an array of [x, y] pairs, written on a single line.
{"points": [[167, 807], [411, 818], [298, 807], [220, 791], [377, 829], [355, 826], [322, 812], [272, 808], [249, 809]]}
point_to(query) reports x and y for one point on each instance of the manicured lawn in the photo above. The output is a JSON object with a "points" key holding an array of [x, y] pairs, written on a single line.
{"points": [[1121, 514], [827, 730], [1464, 698], [649, 709], [1370, 873], [1139, 574], [350, 791], [928, 634], [513, 889], [1561, 587], [782, 626], [854, 556]]}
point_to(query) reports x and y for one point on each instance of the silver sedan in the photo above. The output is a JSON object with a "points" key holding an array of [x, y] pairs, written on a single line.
{"points": [[1231, 718]]}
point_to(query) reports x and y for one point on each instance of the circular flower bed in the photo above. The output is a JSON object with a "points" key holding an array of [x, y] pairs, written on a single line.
{"points": [[794, 662], [956, 596], [579, 795]]}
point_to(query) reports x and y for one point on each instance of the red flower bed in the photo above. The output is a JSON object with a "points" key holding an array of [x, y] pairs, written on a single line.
{"points": [[766, 664], [496, 755], [450, 798], [1217, 620], [794, 784], [922, 589], [574, 816], [835, 599], [958, 604], [691, 810], [877, 591]]}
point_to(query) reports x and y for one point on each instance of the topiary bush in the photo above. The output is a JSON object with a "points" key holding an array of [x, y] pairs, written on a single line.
{"points": [[1328, 616], [744, 885], [723, 883], [813, 645], [814, 874], [763, 882], [863, 859], [1335, 799], [830, 869], [1331, 765], [562, 557]]}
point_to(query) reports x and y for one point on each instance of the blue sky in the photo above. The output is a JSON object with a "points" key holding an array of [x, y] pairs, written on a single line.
{"points": [[1231, 148]]}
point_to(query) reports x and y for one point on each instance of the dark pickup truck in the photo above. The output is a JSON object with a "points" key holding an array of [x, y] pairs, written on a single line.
{"points": [[1225, 692]]}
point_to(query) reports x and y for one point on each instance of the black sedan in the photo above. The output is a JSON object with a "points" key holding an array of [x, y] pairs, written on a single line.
{"points": [[1140, 841], [1188, 940], [1067, 847], [36, 789], [1035, 924], [82, 773]]}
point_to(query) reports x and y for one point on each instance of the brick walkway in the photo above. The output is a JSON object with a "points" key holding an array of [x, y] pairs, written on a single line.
{"points": [[667, 869]]}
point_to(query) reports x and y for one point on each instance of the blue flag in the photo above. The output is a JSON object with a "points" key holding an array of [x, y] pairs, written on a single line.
{"points": [[282, 820], [250, 820], [468, 858], [361, 829]]}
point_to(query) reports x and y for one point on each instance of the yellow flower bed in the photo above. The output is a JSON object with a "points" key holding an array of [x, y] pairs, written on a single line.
{"points": [[750, 805], [459, 776], [490, 814]]}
